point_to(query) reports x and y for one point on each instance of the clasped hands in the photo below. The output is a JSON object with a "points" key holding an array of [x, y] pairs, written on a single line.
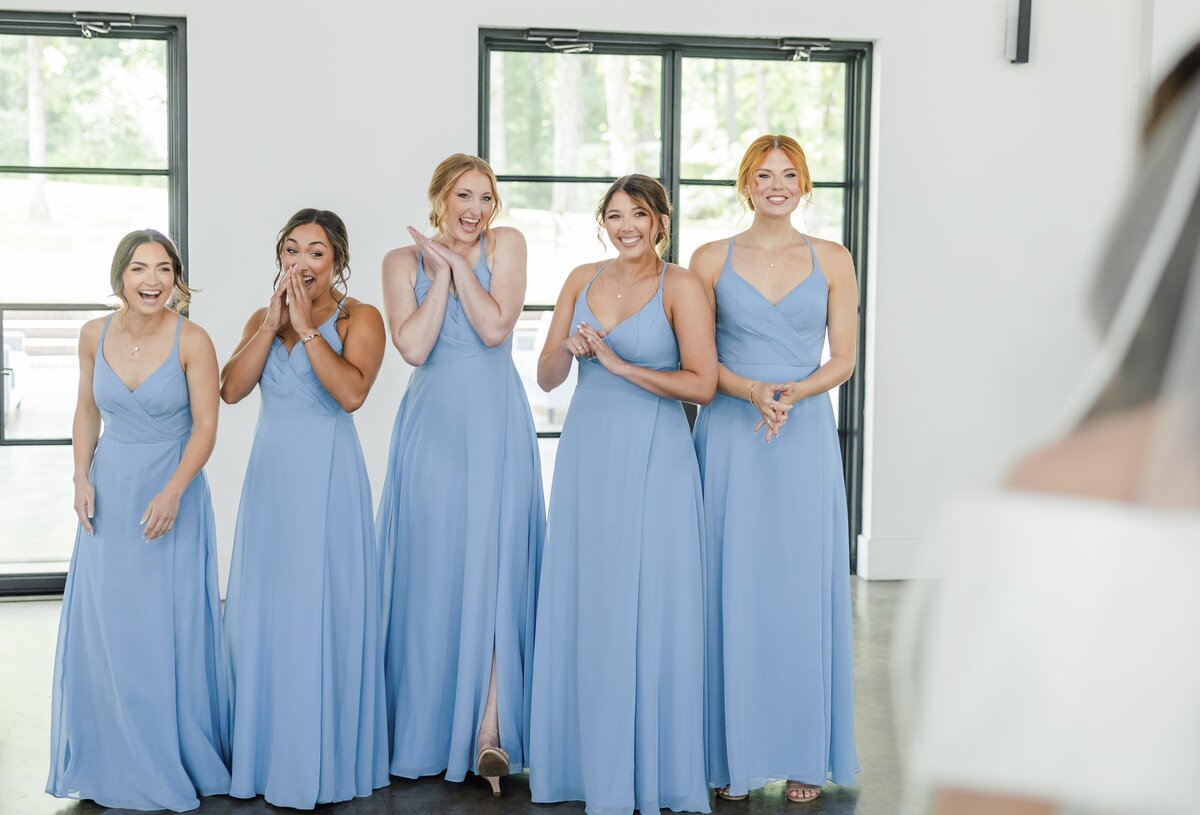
{"points": [[439, 260], [290, 304], [773, 400], [589, 343]]}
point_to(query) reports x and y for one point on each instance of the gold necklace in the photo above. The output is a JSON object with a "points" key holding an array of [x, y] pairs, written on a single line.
{"points": [[636, 278], [137, 344], [779, 254]]}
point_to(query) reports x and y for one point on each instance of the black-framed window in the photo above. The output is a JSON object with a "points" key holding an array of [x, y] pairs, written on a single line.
{"points": [[563, 113], [92, 145]]}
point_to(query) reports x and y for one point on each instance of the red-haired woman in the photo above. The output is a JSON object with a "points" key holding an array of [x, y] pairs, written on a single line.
{"points": [[780, 683]]}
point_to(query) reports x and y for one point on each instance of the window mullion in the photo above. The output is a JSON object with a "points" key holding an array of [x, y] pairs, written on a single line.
{"points": [[672, 124]]}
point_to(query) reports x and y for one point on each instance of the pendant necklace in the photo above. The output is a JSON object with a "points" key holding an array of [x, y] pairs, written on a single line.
{"points": [[635, 280], [771, 260], [137, 344]]}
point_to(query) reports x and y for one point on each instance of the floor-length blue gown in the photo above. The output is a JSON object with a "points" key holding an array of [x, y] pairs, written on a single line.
{"points": [[460, 533], [780, 690], [140, 712], [302, 610], [618, 699]]}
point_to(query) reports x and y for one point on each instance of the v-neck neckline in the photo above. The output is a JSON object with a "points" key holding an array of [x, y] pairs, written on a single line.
{"points": [[812, 254], [149, 376], [662, 271]]}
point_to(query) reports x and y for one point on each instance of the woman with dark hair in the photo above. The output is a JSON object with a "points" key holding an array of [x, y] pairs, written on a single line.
{"points": [[780, 666], [462, 516], [1056, 662], [140, 712], [302, 610], [618, 675]]}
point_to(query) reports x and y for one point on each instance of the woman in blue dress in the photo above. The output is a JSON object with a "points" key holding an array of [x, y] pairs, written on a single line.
{"points": [[302, 609], [140, 712], [780, 684], [462, 517], [618, 714]]}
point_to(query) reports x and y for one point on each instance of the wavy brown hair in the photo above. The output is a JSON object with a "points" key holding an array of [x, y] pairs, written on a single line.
{"points": [[647, 192], [181, 293], [339, 242]]}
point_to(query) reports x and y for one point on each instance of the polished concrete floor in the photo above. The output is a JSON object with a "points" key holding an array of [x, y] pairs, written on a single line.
{"points": [[27, 632]]}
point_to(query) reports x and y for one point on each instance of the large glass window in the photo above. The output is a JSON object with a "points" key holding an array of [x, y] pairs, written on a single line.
{"points": [[563, 113], [91, 147]]}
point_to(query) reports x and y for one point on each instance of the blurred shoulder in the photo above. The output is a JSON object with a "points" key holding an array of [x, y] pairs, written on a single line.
{"points": [[1103, 458]]}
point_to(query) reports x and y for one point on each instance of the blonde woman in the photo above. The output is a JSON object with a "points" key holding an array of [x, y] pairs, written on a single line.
{"points": [[461, 521]]}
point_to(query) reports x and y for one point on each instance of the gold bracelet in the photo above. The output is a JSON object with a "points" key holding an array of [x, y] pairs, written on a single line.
{"points": [[750, 393], [310, 337]]}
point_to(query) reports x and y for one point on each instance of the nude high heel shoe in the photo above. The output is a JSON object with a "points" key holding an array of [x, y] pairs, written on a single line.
{"points": [[491, 762]]}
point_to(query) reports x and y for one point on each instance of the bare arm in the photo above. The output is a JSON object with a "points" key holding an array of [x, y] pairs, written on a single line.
{"points": [[349, 376], [961, 802], [691, 317], [561, 348], [199, 361], [85, 428], [843, 327], [413, 329], [494, 313], [243, 370]]}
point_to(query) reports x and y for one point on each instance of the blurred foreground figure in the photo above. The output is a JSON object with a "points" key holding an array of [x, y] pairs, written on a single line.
{"points": [[1058, 665]]}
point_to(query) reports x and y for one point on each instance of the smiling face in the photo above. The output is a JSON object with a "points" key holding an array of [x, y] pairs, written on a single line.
{"points": [[468, 207], [148, 279], [775, 187], [308, 248], [632, 227]]}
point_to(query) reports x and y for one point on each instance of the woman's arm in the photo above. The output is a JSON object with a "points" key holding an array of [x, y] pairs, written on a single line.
{"points": [[843, 327], [413, 328], [562, 347], [199, 361], [493, 313], [349, 376], [691, 317], [85, 428], [244, 368]]}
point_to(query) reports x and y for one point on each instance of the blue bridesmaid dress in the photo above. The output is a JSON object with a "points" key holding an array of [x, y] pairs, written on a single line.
{"points": [[460, 532], [302, 610], [780, 676], [140, 711], [618, 704]]}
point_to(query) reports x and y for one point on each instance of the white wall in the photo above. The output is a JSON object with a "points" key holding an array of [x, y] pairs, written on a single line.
{"points": [[992, 187]]}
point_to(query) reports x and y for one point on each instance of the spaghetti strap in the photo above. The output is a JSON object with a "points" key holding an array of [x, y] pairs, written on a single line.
{"points": [[104, 332], [175, 347], [597, 274], [812, 250]]}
